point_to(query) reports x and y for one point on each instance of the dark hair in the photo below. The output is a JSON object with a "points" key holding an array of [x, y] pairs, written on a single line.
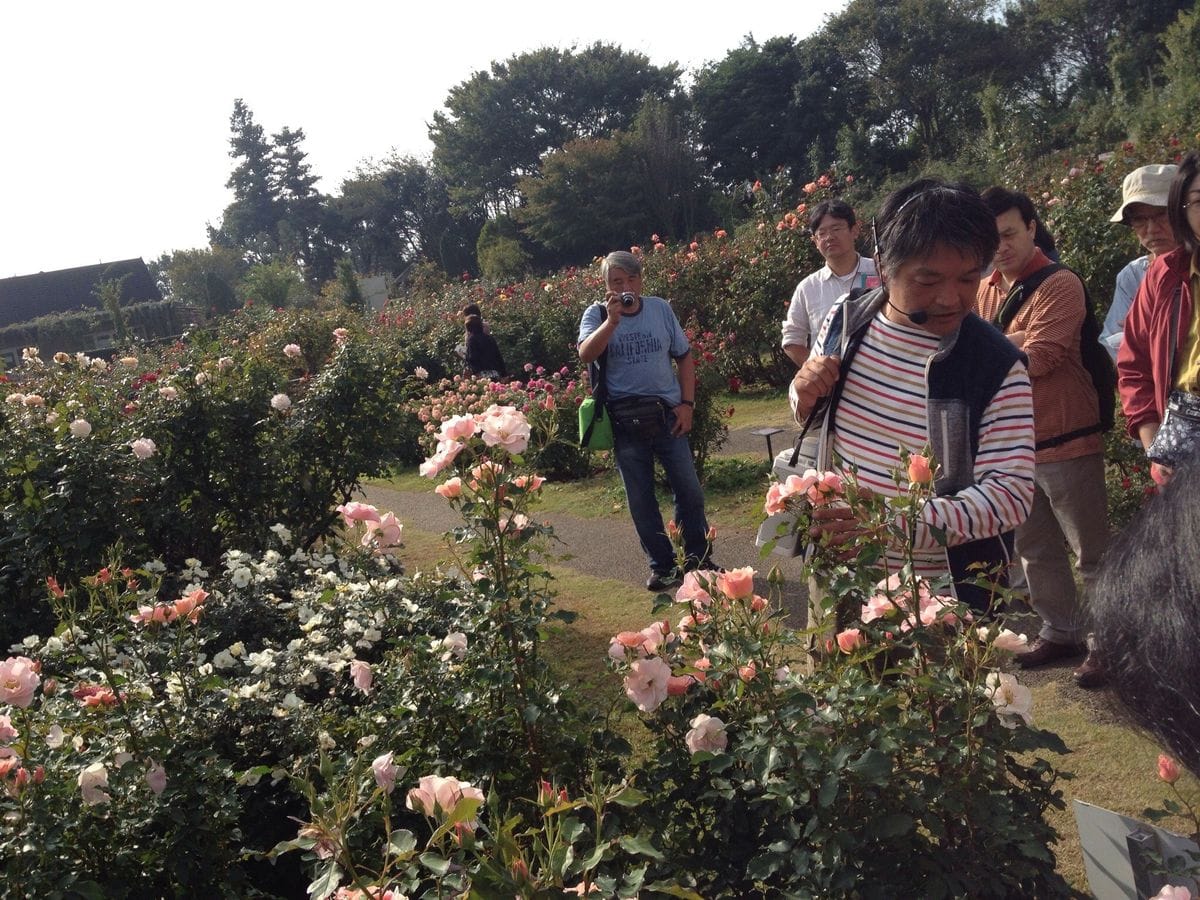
{"points": [[474, 324], [1146, 617], [836, 208], [1177, 196], [929, 213], [471, 309], [1000, 200]]}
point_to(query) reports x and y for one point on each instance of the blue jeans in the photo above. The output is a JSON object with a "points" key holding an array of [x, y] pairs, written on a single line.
{"points": [[635, 461]]}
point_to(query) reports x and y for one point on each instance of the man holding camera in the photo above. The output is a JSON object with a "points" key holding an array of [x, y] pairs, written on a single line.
{"points": [[651, 404]]}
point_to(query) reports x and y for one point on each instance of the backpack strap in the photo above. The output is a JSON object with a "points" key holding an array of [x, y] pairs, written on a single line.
{"points": [[850, 344], [1020, 292]]}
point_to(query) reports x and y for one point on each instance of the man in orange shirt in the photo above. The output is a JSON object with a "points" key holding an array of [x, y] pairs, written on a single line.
{"points": [[1069, 506]]}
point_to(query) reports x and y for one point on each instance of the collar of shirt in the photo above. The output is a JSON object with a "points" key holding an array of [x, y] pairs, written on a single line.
{"points": [[1039, 260]]}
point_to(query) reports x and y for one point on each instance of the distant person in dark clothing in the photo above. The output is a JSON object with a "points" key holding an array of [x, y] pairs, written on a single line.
{"points": [[483, 354]]}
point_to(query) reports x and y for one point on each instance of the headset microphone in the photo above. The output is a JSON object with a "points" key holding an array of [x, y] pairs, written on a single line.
{"points": [[920, 317]]}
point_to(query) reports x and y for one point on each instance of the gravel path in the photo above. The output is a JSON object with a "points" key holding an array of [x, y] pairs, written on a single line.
{"points": [[603, 547]]}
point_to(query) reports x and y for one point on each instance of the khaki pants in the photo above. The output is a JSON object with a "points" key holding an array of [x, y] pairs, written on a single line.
{"points": [[1070, 511]]}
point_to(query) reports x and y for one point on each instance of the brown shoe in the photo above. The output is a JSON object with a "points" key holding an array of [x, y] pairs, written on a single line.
{"points": [[1042, 651], [1091, 673]]}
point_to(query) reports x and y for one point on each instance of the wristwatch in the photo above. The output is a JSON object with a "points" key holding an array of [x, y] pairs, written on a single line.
{"points": [[691, 403]]}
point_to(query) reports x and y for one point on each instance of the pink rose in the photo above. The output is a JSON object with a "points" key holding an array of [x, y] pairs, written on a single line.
{"points": [[188, 606], [677, 685], [1168, 769], [850, 640], [503, 426], [143, 448], [385, 772], [384, 534], [446, 453], [360, 674], [156, 777], [358, 512], [529, 482], [1007, 640], [291, 351], [707, 734], [92, 782], [18, 681], [748, 672], [737, 584], [450, 489], [340, 335], [694, 588], [776, 501], [827, 488], [445, 798], [7, 733], [457, 428], [646, 683]]}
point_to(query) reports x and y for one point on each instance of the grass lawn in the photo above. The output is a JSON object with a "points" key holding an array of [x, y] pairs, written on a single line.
{"points": [[757, 406]]}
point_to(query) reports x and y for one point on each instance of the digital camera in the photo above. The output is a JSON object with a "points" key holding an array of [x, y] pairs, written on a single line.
{"points": [[628, 299]]}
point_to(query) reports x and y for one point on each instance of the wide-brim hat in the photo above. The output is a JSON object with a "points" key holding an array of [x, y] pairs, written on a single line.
{"points": [[1149, 185]]}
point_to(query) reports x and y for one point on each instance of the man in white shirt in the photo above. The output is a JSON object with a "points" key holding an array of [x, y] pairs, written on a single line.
{"points": [[834, 230]]}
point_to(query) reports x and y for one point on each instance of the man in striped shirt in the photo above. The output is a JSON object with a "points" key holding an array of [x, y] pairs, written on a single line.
{"points": [[909, 365], [1069, 505]]}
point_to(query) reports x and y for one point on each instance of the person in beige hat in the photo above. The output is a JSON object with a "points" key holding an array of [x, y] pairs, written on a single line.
{"points": [[1144, 209]]}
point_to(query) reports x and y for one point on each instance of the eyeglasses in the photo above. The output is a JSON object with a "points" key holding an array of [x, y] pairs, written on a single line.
{"points": [[831, 231], [1142, 220]]}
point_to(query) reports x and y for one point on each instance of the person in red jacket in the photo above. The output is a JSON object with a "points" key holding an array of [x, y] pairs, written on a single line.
{"points": [[1150, 367]]}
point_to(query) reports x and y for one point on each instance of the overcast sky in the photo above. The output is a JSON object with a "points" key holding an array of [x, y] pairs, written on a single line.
{"points": [[116, 115]]}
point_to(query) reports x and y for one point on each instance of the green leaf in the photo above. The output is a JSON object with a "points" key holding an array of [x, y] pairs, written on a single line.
{"points": [[403, 843], [436, 864], [326, 883], [628, 796], [639, 845], [829, 790], [894, 825], [873, 764], [673, 890]]}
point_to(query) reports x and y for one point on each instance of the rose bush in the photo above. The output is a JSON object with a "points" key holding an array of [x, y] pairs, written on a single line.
{"points": [[184, 451], [899, 755]]}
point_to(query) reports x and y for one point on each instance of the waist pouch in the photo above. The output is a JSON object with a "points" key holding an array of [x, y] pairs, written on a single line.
{"points": [[639, 417], [1179, 434]]}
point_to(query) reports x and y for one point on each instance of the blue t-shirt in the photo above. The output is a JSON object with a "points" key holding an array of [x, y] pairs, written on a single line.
{"points": [[1128, 281], [640, 350]]}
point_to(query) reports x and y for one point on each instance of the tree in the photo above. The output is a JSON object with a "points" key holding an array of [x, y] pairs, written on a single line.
{"points": [[926, 62], [399, 211], [672, 184], [249, 223], [587, 199], [498, 124], [204, 278], [303, 219], [745, 103]]}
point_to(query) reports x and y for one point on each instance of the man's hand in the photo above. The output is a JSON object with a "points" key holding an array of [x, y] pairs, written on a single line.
{"points": [[1018, 339], [815, 380], [616, 308], [683, 420]]}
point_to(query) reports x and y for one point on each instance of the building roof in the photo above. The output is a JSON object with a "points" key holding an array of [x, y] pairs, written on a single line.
{"points": [[30, 296]]}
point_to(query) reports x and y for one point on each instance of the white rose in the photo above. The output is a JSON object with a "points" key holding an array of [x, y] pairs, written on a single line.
{"points": [[80, 428]]}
